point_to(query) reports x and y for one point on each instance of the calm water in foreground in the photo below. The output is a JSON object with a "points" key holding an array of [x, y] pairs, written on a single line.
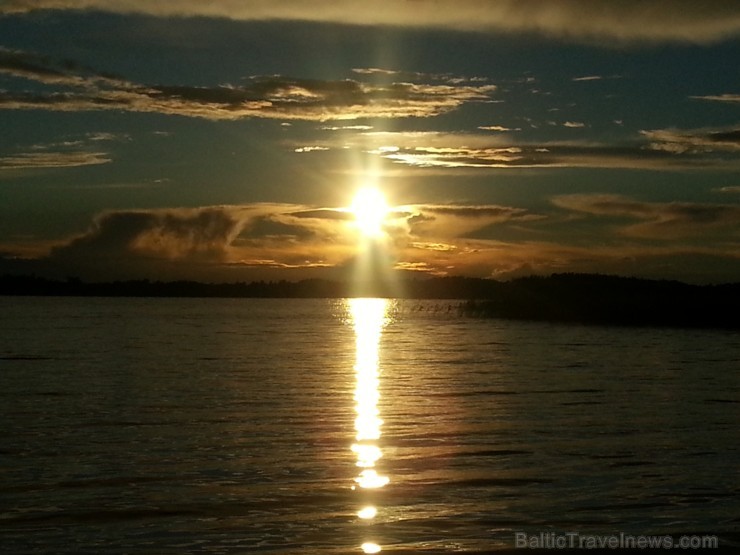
{"points": [[176, 426]]}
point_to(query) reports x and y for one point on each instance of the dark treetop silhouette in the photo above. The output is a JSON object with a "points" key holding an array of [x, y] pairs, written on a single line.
{"points": [[577, 298]]}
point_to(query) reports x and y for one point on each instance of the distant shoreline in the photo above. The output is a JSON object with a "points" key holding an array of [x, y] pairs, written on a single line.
{"points": [[573, 298]]}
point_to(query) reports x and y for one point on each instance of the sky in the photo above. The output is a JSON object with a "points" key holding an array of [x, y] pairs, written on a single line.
{"points": [[226, 140]]}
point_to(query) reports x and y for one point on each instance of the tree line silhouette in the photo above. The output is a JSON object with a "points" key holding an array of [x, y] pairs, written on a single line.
{"points": [[577, 298], [612, 300]]}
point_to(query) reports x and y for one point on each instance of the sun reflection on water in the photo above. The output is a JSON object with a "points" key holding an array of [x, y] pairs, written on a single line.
{"points": [[368, 319], [367, 512]]}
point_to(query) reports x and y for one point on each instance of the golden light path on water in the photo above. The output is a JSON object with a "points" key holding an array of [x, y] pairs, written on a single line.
{"points": [[368, 319]]}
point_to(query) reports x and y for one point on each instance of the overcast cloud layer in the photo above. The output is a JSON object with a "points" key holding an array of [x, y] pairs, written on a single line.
{"points": [[625, 20]]}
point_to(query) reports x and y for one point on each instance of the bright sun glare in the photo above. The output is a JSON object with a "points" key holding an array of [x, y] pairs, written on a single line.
{"points": [[370, 210]]}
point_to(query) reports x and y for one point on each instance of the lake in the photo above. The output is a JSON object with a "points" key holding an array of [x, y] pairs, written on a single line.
{"points": [[225, 426]]}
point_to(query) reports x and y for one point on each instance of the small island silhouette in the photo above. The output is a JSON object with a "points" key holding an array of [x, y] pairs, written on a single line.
{"points": [[575, 298]]}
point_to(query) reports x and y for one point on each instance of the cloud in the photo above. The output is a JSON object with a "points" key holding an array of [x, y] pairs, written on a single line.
{"points": [[625, 21], [199, 233], [207, 241], [420, 267], [68, 153], [447, 78], [499, 128], [285, 241], [375, 71], [436, 246], [664, 221], [126, 243], [275, 265], [694, 141], [494, 212], [310, 148], [43, 69], [346, 127], [719, 98], [734, 189], [652, 150], [262, 97], [544, 155], [322, 214], [506, 260], [441, 247], [435, 225], [40, 160], [105, 136]]}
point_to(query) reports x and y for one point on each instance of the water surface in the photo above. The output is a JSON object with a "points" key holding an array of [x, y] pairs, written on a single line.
{"points": [[236, 426]]}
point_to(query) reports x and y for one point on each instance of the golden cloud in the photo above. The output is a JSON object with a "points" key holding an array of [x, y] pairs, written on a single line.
{"points": [[262, 97], [38, 160], [265, 239], [652, 150]]}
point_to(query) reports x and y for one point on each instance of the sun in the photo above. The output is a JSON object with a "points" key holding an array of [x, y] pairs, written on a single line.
{"points": [[370, 210]]}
